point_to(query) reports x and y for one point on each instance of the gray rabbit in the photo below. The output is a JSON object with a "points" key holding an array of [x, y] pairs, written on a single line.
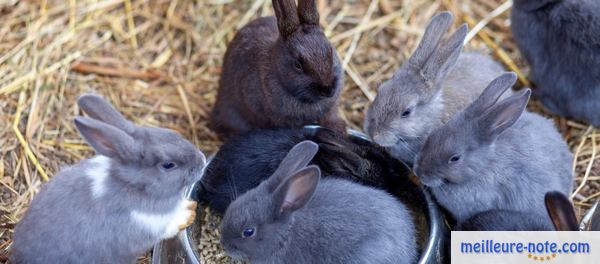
{"points": [[294, 217], [436, 82], [560, 210], [113, 207], [505, 220], [561, 41], [495, 155]]}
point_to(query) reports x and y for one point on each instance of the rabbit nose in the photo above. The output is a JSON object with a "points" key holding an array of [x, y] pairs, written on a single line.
{"points": [[377, 138], [324, 88], [202, 158], [329, 92], [418, 171], [381, 139], [415, 168], [326, 91]]}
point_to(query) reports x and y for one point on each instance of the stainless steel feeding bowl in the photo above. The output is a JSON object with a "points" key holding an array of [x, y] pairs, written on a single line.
{"points": [[184, 247]]}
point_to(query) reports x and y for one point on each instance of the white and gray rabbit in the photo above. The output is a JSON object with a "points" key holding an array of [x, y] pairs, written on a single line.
{"points": [[437, 81], [296, 217], [495, 155], [561, 41], [113, 207]]}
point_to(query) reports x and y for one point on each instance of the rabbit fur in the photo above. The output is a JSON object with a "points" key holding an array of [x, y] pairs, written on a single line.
{"points": [[115, 206], [279, 72], [560, 39], [495, 155], [298, 218], [437, 81]]}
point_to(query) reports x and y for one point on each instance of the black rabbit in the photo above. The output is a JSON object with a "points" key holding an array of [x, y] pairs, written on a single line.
{"points": [[244, 161]]}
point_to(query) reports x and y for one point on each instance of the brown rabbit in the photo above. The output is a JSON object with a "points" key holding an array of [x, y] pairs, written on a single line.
{"points": [[279, 72]]}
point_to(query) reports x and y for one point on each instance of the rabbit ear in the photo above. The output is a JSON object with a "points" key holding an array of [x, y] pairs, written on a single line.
{"points": [[433, 34], [443, 59], [308, 13], [348, 155], [561, 211], [298, 158], [287, 17], [98, 108], [107, 140], [502, 115], [296, 190], [492, 93]]}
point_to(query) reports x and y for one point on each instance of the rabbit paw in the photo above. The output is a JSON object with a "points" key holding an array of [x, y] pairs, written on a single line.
{"points": [[190, 209], [184, 217]]}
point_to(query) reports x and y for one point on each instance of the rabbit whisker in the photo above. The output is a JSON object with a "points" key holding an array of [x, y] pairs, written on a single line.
{"points": [[406, 146], [232, 186]]}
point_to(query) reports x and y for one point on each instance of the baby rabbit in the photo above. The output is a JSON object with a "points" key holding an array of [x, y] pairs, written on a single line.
{"points": [[279, 72], [244, 161], [115, 206], [436, 82], [495, 155], [294, 217], [505, 220], [558, 206], [561, 41]]}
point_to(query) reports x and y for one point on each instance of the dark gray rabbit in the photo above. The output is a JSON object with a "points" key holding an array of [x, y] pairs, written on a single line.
{"points": [[279, 72], [113, 207], [558, 207], [294, 217], [561, 41], [505, 220], [436, 82], [495, 155], [244, 161]]}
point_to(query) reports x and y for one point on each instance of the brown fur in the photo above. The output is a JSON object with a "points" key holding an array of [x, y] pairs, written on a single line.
{"points": [[260, 86]]}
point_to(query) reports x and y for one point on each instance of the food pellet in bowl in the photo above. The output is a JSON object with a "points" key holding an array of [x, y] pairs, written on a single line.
{"points": [[210, 248]]}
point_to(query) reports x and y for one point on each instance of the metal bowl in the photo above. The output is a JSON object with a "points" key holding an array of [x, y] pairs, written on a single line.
{"points": [[183, 248]]}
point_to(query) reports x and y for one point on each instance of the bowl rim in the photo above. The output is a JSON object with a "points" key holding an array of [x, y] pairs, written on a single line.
{"points": [[431, 253]]}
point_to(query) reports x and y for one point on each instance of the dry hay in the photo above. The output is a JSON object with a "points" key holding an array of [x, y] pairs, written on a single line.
{"points": [[159, 63]]}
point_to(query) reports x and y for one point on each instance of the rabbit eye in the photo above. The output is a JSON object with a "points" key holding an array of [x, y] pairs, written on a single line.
{"points": [[454, 158], [406, 112], [298, 66], [168, 165], [248, 232]]}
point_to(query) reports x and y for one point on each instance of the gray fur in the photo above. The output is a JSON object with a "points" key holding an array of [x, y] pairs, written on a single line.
{"points": [[501, 166], [560, 210], [528, 5], [96, 108], [436, 82], [505, 220], [318, 222], [561, 41], [68, 223]]}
